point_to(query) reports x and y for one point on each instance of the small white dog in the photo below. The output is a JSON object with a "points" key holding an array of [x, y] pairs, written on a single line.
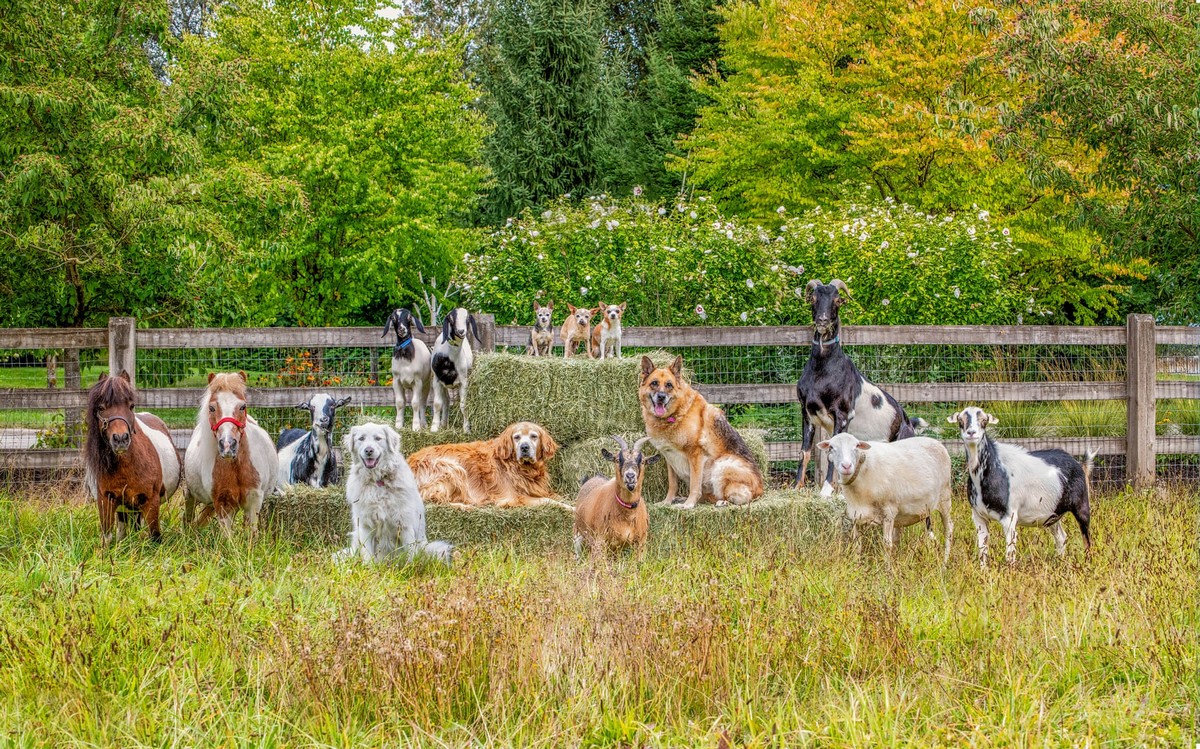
{"points": [[386, 511]]}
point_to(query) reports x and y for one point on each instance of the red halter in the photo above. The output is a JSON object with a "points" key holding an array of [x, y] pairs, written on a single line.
{"points": [[231, 420]]}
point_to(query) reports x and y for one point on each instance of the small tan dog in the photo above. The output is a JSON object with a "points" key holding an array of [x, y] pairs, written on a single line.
{"points": [[610, 513], [541, 337], [606, 336], [576, 330]]}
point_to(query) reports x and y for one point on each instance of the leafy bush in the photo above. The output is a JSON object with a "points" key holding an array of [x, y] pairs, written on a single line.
{"points": [[686, 264]]}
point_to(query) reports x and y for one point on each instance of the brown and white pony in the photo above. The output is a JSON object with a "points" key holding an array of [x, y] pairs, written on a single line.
{"points": [[230, 463], [131, 465]]}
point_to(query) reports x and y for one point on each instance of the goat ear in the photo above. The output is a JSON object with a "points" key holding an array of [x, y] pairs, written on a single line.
{"points": [[677, 365], [651, 460], [647, 367], [416, 320], [953, 418], [341, 402], [446, 328], [989, 419], [607, 455], [824, 445], [305, 406], [387, 326], [863, 446], [474, 328]]}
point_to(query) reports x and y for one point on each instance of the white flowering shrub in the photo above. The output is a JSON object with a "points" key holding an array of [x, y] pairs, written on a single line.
{"points": [[685, 264]]}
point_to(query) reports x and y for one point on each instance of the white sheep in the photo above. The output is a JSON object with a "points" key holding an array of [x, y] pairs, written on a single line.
{"points": [[893, 484]]}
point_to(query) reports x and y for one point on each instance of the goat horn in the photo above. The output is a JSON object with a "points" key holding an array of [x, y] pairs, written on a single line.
{"points": [[840, 286], [808, 290], [620, 442], [637, 446]]}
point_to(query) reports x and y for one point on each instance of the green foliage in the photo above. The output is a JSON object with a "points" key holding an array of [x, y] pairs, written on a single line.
{"points": [[1108, 116], [107, 203], [688, 264], [824, 95], [548, 100], [374, 125]]}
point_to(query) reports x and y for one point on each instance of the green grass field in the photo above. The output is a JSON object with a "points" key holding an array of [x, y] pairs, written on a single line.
{"points": [[740, 628]]}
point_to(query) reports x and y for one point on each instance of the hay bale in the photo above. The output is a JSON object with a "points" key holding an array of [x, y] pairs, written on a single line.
{"points": [[575, 399], [583, 459], [305, 512]]}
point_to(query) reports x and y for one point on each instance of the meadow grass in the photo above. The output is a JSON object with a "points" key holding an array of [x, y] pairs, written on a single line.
{"points": [[739, 628]]}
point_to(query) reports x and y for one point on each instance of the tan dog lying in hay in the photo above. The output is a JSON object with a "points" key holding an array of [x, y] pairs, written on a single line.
{"points": [[610, 513], [696, 440], [508, 471]]}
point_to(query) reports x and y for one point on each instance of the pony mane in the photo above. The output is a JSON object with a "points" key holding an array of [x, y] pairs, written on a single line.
{"points": [[98, 457], [222, 382]]}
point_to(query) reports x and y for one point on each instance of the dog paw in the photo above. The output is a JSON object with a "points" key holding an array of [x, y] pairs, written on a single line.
{"points": [[721, 503]]}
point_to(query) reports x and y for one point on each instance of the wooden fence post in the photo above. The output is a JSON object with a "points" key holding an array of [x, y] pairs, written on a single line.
{"points": [[1140, 375], [487, 331], [122, 345], [73, 380]]}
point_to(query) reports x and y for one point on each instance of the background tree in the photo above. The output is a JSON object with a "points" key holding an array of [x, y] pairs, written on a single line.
{"points": [[107, 204], [1108, 117], [375, 125]]}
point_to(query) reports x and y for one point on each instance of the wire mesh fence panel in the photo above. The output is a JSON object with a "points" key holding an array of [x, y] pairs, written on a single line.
{"points": [[1177, 419]]}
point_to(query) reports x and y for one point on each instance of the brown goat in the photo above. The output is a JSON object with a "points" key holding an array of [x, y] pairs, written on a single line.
{"points": [[610, 513]]}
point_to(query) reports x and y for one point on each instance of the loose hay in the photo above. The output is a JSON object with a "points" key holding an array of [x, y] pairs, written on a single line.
{"points": [[575, 399]]}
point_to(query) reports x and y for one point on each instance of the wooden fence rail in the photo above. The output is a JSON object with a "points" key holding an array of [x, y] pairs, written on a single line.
{"points": [[1139, 337]]}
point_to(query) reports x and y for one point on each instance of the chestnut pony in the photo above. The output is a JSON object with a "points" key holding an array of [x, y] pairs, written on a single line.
{"points": [[131, 465], [230, 462]]}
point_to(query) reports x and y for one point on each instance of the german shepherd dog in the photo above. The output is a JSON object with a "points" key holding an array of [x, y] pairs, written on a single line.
{"points": [[696, 440]]}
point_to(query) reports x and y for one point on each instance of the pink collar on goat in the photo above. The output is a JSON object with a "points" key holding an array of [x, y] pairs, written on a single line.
{"points": [[623, 503]]}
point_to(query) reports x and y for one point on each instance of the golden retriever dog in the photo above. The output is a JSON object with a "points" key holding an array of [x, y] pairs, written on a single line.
{"points": [[508, 471], [696, 440]]}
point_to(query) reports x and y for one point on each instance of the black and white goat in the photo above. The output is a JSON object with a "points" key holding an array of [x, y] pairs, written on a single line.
{"points": [[306, 457], [452, 362], [1018, 487], [834, 395], [412, 375]]}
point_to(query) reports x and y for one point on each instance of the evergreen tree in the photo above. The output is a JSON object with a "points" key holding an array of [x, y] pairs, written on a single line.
{"points": [[548, 99]]}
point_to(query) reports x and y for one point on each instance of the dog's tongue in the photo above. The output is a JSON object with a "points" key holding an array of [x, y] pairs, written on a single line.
{"points": [[370, 462], [659, 410]]}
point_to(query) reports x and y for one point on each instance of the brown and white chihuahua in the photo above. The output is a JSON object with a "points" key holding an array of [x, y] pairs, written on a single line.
{"points": [[606, 336], [576, 330]]}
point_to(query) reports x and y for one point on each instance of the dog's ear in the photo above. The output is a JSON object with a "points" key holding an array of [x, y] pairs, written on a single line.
{"points": [[571, 307], [504, 445], [622, 305], [647, 367], [348, 446], [393, 440], [536, 307], [677, 365], [547, 447], [550, 306]]}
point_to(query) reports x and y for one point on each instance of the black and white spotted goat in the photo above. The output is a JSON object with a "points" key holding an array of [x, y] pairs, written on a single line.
{"points": [[834, 396], [412, 376], [306, 457], [452, 362], [1017, 487]]}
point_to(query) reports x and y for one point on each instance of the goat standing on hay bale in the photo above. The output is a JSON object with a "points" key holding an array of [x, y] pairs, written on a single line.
{"points": [[610, 513]]}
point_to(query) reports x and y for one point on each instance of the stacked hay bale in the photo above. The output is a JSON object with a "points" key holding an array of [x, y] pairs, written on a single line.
{"points": [[581, 402]]}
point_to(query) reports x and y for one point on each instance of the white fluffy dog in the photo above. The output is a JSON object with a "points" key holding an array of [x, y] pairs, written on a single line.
{"points": [[386, 511]]}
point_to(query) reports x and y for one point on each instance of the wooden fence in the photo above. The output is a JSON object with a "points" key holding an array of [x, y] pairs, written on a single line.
{"points": [[1139, 337]]}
